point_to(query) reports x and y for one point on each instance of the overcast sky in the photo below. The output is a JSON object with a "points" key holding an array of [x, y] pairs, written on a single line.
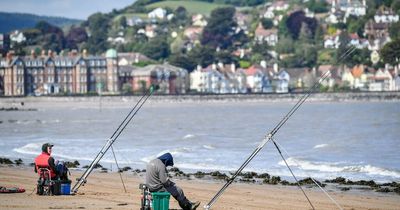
{"points": [[79, 9]]}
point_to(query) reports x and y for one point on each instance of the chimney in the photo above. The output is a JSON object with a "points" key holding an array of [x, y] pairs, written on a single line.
{"points": [[43, 53], [233, 68], [276, 68], [49, 53], [263, 64], [9, 56], [214, 66], [85, 53], [74, 53], [314, 72], [136, 58], [33, 54], [220, 65], [198, 68]]}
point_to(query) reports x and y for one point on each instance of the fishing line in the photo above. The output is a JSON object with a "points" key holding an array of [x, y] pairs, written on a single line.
{"points": [[119, 169], [269, 136], [114, 137], [319, 186], [297, 182]]}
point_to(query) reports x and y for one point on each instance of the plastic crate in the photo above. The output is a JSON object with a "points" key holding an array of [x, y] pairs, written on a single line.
{"points": [[160, 200]]}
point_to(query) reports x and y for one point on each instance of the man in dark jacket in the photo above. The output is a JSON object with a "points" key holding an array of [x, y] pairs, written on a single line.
{"points": [[44, 160], [158, 181]]}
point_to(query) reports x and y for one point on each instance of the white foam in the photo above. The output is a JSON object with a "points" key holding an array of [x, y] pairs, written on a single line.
{"points": [[208, 146], [320, 146], [30, 149], [188, 136], [174, 152], [335, 167]]}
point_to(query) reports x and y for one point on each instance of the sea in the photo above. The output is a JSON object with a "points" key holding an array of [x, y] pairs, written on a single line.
{"points": [[324, 140]]}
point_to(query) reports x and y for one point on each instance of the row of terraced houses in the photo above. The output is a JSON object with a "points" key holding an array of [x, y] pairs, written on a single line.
{"points": [[113, 73]]}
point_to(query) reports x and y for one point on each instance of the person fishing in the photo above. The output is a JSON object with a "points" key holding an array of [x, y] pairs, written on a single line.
{"points": [[158, 181], [44, 160]]}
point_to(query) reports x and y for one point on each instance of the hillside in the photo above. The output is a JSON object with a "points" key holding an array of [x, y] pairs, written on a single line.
{"points": [[192, 7], [17, 21]]}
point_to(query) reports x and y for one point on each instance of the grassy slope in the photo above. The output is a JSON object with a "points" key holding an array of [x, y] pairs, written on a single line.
{"points": [[192, 7]]}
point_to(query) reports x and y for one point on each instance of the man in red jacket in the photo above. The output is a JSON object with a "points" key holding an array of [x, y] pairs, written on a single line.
{"points": [[44, 160]]}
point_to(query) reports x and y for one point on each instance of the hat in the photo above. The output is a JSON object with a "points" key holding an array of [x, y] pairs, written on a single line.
{"points": [[44, 146]]}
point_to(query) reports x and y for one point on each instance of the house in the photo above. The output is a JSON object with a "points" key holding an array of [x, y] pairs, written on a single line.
{"points": [[158, 13], [127, 59], [331, 41], [331, 75], [150, 31], [382, 81], [134, 21], [358, 42], [52, 74], [243, 21], [17, 37], [279, 6], [171, 79], [266, 35], [374, 30], [397, 82], [352, 7], [257, 81], [193, 33], [281, 80], [386, 15], [199, 20], [206, 80], [4, 42]]}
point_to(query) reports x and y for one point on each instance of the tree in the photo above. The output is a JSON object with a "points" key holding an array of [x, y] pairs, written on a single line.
{"points": [[183, 61], [122, 22], [219, 31], [202, 55], [52, 36], [75, 36], [98, 26], [390, 53], [157, 48], [295, 21], [394, 30], [343, 50], [267, 23]]}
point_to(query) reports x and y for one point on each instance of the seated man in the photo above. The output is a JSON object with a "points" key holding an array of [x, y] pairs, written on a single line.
{"points": [[158, 181], [44, 160]]}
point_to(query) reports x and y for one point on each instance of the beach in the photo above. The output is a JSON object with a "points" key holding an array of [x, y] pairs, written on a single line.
{"points": [[105, 191]]}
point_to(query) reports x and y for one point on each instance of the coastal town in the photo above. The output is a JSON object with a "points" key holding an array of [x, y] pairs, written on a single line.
{"points": [[237, 69]]}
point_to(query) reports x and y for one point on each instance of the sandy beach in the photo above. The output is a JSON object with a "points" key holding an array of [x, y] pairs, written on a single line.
{"points": [[105, 191]]}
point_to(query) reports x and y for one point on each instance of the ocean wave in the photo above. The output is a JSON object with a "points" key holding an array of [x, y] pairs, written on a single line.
{"points": [[338, 168], [30, 149], [175, 152], [207, 146], [188, 136], [320, 146]]}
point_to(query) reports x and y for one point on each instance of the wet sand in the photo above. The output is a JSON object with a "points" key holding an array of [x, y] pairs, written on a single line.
{"points": [[105, 191]]}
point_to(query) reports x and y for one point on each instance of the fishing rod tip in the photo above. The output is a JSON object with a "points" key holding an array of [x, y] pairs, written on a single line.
{"points": [[206, 207]]}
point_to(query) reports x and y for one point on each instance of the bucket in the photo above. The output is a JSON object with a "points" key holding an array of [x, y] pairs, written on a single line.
{"points": [[65, 188], [160, 200]]}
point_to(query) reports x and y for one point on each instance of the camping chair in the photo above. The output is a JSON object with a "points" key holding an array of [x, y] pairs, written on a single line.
{"points": [[145, 200], [45, 183]]}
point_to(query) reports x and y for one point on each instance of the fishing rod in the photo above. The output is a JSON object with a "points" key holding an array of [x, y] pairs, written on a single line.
{"points": [[83, 179], [271, 134]]}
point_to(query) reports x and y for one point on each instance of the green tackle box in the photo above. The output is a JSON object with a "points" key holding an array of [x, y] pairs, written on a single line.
{"points": [[160, 200]]}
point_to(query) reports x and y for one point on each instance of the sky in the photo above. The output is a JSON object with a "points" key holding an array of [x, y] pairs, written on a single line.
{"points": [[78, 9]]}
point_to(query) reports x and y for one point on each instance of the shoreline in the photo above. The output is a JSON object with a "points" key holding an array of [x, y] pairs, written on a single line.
{"points": [[105, 191], [337, 184], [284, 97]]}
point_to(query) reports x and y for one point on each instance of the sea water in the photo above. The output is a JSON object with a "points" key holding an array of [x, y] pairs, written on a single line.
{"points": [[355, 140]]}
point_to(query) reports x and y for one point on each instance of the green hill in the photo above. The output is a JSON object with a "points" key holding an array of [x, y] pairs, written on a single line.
{"points": [[192, 7], [18, 21]]}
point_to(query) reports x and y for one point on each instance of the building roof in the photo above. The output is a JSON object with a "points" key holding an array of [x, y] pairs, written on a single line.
{"points": [[111, 53]]}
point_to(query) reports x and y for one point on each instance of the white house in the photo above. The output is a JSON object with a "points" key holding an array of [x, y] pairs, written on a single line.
{"points": [[386, 15], [17, 37], [331, 41], [158, 13], [382, 81], [266, 35], [283, 79], [199, 20], [207, 80], [279, 6], [133, 21]]}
